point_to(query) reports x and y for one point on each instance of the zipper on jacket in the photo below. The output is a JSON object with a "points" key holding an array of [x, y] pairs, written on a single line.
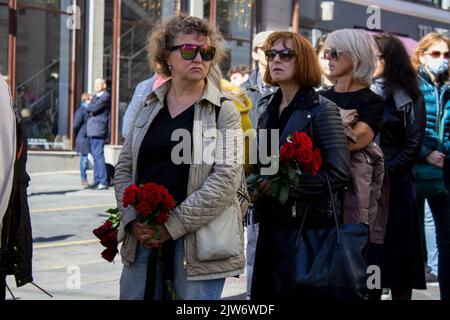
{"points": [[184, 257], [438, 111]]}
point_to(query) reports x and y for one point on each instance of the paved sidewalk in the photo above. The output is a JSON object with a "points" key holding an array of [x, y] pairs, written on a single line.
{"points": [[66, 257]]}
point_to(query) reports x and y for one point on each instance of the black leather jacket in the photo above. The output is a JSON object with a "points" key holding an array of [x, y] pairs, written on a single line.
{"points": [[401, 139], [320, 119]]}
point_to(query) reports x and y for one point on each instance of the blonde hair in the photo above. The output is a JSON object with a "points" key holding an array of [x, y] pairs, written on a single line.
{"points": [[424, 44], [163, 35], [359, 46]]}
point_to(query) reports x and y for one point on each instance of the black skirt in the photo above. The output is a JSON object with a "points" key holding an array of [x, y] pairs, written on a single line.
{"points": [[402, 262]]}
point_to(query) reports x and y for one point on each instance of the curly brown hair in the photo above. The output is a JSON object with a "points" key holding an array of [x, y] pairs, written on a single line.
{"points": [[162, 38]]}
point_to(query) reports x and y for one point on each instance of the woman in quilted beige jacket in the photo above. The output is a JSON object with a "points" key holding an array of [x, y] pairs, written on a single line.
{"points": [[202, 242]]}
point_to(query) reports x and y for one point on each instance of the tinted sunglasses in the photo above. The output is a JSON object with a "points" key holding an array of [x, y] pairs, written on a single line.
{"points": [[286, 55], [190, 51], [332, 53], [437, 54]]}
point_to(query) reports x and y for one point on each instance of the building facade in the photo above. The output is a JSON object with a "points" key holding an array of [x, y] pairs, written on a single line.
{"points": [[53, 50]]}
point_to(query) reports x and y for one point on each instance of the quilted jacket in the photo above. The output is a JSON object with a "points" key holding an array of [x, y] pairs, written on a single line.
{"points": [[211, 187]]}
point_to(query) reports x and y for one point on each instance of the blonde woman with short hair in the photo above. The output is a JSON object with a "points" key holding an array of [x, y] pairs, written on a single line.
{"points": [[352, 62]]}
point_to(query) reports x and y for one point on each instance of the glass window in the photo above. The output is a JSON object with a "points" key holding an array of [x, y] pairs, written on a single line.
{"points": [[50, 4], [234, 20], [138, 18], [42, 72], [238, 52], [4, 31]]}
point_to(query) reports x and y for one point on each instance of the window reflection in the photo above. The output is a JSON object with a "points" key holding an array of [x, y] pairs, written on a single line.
{"points": [[234, 19], [138, 18], [56, 4], [42, 91]]}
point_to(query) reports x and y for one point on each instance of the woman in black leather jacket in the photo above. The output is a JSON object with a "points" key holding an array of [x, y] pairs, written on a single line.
{"points": [[293, 66], [401, 138]]}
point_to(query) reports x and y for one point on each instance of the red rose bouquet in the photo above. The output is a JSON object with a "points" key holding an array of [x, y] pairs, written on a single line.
{"points": [[107, 233], [296, 156], [152, 203]]}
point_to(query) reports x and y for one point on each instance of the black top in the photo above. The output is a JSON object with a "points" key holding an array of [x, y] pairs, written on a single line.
{"points": [[277, 121], [155, 163], [369, 105]]}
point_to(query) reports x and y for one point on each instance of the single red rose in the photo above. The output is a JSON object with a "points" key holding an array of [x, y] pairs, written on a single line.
{"points": [[109, 253], [144, 208], [103, 230], [304, 156], [162, 218], [301, 139], [316, 163], [110, 240], [287, 152]]}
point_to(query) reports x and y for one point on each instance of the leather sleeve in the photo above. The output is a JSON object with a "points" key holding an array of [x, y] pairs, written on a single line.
{"points": [[329, 137], [414, 134]]}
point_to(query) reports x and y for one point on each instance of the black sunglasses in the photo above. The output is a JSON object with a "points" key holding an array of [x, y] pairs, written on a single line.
{"points": [[286, 55], [332, 53], [190, 51]]}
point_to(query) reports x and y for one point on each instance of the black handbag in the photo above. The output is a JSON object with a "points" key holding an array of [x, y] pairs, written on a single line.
{"points": [[329, 263]]}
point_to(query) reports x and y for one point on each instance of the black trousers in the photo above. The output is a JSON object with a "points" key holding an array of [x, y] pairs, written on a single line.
{"points": [[2, 287], [440, 208]]}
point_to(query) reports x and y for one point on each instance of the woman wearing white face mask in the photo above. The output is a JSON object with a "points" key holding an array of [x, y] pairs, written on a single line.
{"points": [[433, 168]]}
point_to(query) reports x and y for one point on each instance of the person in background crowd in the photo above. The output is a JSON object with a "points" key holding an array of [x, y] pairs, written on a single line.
{"points": [[255, 86], [16, 248], [238, 75], [431, 249], [185, 49], [401, 139], [294, 67], [352, 62], [143, 89], [430, 60], [326, 81], [97, 130], [83, 145], [256, 89]]}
